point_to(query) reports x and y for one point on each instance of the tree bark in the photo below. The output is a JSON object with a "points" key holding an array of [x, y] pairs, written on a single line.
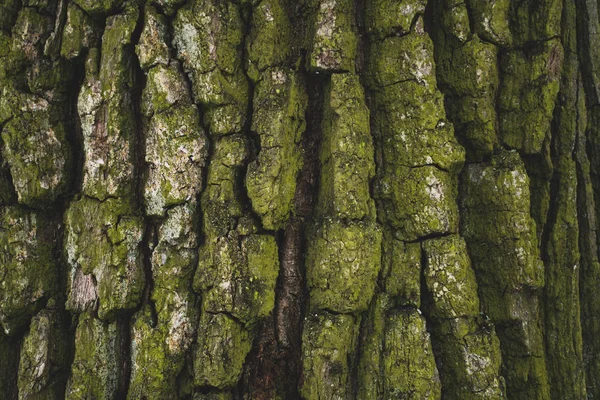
{"points": [[313, 199]]}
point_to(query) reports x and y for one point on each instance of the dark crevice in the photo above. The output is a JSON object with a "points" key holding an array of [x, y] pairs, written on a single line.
{"points": [[139, 172], [124, 355]]}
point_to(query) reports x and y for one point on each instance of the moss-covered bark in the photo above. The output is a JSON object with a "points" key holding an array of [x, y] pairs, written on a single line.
{"points": [[316, 199]]}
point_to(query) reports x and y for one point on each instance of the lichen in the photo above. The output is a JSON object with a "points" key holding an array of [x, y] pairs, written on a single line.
{"points": [[328, 343], [333, 40], [103, 239], [527, 95], [43, 357], [346, 154], [95, 371], [208, 39], [342, 264], [504, 250], [28, 271], [223, 344], [385, 18], [80, 33], [280, 103]]}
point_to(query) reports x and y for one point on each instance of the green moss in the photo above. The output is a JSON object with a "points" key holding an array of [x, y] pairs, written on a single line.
{"points": [[385, 18], [409, 367], [176, 146], [95, 371], [503, 247], [280, 103], [80, 33], [103, 239], [342, 263], [401, 265], [223, 344], [43, 357], [346, 153], [491, 20], [208, 39], [417, 202], [449, 278], [237, 275], [38, 153], [527, 95], [270, 41], [328, 345], [99, 7], [28, 268], [158, 347], [152, 48], [333, 38]]}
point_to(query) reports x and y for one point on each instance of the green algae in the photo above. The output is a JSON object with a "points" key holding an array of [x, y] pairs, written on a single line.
{"points": [[152, 48], [328, 343], [396, 357], [28, 269], [99, 7], [332, 38], [103, 239], [80, 33], [280, 103], [527, 95], [492, 21], [208, 39], [176, 145], [401, 270], [38, 153], [342, 264], [223, 344], [95, 371], [106, 111], [159, 346], [237, 269], [346, 153], [270, 42], [449, 278], [503, 247], [385, 18], [237, 275], [43, 357]]}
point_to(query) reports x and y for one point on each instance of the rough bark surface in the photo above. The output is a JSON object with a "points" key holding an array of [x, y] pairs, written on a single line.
{"points": [[313, 199]]}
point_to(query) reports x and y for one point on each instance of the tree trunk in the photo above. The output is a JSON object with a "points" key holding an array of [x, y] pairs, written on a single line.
{"points": [[313, 199]]}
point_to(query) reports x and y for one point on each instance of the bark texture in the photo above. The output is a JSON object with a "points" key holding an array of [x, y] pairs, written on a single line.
{"points": [[313, 199]]}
